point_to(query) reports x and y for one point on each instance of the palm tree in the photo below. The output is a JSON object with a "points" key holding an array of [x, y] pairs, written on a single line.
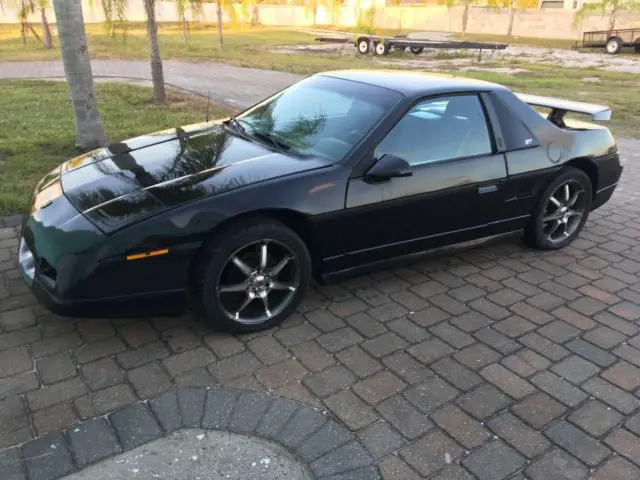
{"points": [[157, 72], [613, 6], [182, 7], [465, 13], [513, 6], [116, 9], [46, 30], [77, 68]]}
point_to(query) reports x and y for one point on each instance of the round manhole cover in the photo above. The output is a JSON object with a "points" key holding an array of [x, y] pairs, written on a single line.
{"points": [[200, 454]]}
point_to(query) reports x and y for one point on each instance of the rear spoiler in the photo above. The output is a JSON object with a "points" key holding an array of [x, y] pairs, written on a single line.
{"points": [[560, 107]]}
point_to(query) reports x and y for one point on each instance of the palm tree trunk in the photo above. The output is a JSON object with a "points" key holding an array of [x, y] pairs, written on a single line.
{"points": [[33, 30], [77, 68], [46, 30], [612, 19], [157, 74], [219, 12], [465, 15], [512, 16], [23, 25]]}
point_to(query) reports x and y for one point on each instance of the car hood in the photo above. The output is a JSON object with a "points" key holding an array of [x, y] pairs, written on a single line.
{"points": [[128, 181]]}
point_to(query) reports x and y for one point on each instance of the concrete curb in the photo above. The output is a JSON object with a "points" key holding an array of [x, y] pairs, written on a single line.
{"points": [[329, 449]]}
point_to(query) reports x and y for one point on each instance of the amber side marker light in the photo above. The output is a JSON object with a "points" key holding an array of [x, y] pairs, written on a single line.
{"points": [[153, 253]]}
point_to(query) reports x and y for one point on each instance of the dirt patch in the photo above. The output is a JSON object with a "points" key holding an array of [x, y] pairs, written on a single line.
{"points": [[469, 59]]}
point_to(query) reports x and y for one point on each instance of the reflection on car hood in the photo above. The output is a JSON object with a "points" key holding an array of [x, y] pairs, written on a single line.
{"points": [[124, 182]]}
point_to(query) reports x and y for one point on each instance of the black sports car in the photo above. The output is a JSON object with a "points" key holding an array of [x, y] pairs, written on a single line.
{"points": [[339, 171]]}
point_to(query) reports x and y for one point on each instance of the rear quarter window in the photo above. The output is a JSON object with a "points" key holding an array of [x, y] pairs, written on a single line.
{"points": [[516, 135]]}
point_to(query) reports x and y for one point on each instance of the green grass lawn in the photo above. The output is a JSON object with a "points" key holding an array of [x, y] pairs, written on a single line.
{"points": [[244, 46], [37, 128]]}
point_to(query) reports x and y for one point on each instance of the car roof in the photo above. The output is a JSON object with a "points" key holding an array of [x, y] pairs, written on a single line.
{"points": [[413, 83]]}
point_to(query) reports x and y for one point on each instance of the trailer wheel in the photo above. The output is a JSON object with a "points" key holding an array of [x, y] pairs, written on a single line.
{"points": [[417, 50], [614, 45], [363, 46], [636, 45], [382, 48]]}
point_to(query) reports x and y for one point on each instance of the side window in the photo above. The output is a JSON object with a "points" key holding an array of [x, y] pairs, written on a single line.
{"points": [[516, 135], [439, 129]]}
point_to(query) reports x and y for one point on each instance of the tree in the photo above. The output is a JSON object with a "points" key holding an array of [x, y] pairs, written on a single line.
{"points": [[77, 68], [614, 7], [513, 6], [184, 6], [26, 8], [157, 72], [465, 13], [46, 30], [116, 9]]}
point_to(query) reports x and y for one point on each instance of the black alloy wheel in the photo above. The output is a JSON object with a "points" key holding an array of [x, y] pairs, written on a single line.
{"points": [[252, 276], [562, 211]]}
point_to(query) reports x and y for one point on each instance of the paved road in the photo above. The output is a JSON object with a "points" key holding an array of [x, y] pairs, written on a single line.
{"points": [[236, 86]]}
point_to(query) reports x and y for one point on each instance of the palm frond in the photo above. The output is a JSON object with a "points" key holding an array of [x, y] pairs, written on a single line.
{"points": [[115, 14]]}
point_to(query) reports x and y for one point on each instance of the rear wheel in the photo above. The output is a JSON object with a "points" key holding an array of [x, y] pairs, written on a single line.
{"points": [[363, 46], [382, 48], [416, 50], [614, 45], [252, 276], [562, 211]]}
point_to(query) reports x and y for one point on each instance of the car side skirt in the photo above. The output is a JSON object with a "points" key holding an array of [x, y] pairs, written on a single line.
{"points": [[365, 260]]}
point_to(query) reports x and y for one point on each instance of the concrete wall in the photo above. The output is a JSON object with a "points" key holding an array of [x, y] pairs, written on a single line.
{"points": [[527, 23], [550, 23]]}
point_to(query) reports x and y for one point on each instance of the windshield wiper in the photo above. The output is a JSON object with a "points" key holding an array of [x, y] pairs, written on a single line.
{"points": [[279, 144], [237, 124]]}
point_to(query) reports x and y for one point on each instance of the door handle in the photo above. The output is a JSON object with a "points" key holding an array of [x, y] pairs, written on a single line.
{"points": [[482, 189]]}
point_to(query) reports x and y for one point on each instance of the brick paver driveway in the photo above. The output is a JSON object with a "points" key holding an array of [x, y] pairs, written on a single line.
{"points": [[492, 362]]}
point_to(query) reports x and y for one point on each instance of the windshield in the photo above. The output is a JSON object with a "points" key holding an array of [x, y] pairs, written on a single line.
{"points": [[319, 116]]}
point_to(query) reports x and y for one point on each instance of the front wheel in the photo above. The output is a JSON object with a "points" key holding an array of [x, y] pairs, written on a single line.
{"points": [[382, 48], [614, 45], [562, 211], [251, 277], [363, 46]]}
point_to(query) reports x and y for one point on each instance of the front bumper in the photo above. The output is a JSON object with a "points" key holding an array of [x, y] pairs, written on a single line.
{"points": [[160, 303]]}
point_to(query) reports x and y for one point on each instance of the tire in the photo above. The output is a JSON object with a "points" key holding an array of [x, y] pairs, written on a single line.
{"points": [[242, 308], [540, 233], [382, 48], [416, 50], [614, 45], [636, 45], [363, 46]]}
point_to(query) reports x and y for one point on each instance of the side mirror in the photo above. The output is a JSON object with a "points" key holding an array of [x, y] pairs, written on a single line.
{"points": [[389, 166]]}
